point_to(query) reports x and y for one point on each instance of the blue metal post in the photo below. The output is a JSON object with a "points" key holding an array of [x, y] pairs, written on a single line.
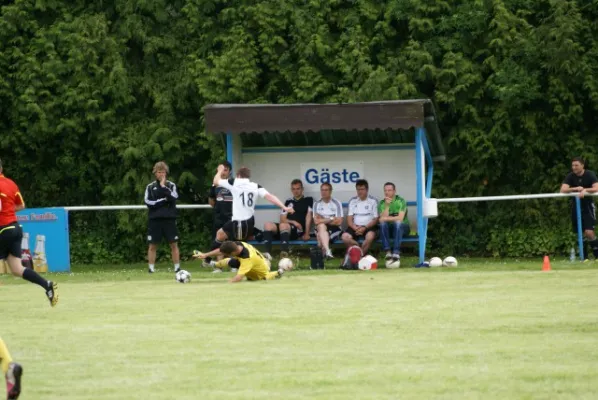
{"points": [[430, 166], [419, 171], [229, 148], [579, 228]]}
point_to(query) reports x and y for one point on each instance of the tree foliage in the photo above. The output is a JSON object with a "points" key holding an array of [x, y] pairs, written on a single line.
{"points": [[93, 93]]}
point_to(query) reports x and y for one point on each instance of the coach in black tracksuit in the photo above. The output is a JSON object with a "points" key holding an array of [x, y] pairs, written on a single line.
{"points": [[160, 198]]}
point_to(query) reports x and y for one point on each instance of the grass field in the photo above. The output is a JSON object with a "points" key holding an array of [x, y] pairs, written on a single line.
{"points": [[484, 330]]}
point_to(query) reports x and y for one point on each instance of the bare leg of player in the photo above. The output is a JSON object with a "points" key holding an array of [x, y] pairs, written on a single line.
{"points": [[367, 242], [151, 257], [324, 239], [176, 259]]}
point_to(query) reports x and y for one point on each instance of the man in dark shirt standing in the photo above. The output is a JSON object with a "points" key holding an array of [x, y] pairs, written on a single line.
{"points": [[160, 198], [291, 226], [221, 200], [583, 182]]}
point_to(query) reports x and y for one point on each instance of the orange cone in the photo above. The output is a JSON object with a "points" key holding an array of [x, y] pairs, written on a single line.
{"points": [[546, 265]]}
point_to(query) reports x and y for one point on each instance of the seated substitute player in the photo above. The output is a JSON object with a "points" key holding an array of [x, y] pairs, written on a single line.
{"points": [[362, 222], [11, 236], [12, 372], [245, 195], [328, 218], [291, 227], [393, 221], [248, 261], [583, 182]]}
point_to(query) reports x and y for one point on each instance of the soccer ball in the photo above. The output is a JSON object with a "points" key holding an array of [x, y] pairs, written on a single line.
{"points": [[393, 263], [285, 264], [367, 263], [450, 261], [435, 262], [183, 276]]}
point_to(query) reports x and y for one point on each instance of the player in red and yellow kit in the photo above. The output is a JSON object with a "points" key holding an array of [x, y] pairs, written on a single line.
{"points": [[11, 237]]}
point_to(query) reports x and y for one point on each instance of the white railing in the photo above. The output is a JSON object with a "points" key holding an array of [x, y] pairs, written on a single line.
{"points": [[445, 200], [531, 196], [510, 197], [136, 207]]}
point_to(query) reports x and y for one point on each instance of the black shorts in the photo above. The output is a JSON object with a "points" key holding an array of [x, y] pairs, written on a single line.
{"points": [[10, 240], [218, 223], [355, 236], [334, 232], [588, 218], [159, 229], [294, 234], [239, 230]]}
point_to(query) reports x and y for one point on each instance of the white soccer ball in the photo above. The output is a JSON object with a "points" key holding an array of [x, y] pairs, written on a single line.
{"points": [[367, 263], [435, 262], [393, 263], [450, 261], [285, 264], [183, 276]]}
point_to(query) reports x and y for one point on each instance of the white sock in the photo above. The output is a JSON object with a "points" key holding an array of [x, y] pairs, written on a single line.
{"points": [[151, 266], [177, 266]]}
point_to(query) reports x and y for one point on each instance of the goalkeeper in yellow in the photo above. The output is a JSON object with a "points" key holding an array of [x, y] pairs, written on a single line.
{"points": [[247, 259], [12, 373]]}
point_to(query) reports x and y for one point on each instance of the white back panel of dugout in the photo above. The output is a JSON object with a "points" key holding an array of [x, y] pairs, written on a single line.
{"points": [[274, 169]]}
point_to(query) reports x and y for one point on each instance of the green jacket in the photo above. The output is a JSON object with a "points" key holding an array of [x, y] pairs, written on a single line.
{"points": [[394, 208]]}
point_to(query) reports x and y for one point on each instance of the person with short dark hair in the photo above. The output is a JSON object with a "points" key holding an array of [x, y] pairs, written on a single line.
{"points": [[11, 236], [328, 218], [362, 223], [291, 226], [221, 200], [393, 221], [245, 259], [245, 196], [160, 198], [583, 181]]}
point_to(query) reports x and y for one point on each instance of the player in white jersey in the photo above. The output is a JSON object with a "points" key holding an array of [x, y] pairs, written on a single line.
{"points": [[328, 218], [245, 195], [362, 222]]}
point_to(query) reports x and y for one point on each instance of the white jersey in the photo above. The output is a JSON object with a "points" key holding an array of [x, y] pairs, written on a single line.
{"points": [[245, 195], [363, 211], [333, 208]]}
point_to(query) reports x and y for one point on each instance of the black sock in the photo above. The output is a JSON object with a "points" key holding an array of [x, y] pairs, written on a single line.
{"points": [[594, 246], [586, 249], [268, 241], [215, 245], [33, 277], [284, 240]]}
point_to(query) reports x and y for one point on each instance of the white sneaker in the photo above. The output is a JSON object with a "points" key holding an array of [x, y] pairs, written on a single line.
{"points": [[234, 270], [329, 254], [217, 271], [268, 256], [206, 264]]}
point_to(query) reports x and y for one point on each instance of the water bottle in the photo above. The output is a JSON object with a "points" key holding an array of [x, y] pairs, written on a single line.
{"points": [[572, 255]]}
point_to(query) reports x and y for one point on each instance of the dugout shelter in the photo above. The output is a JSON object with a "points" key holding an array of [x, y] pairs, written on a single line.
{"points": [[385, 141]]}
